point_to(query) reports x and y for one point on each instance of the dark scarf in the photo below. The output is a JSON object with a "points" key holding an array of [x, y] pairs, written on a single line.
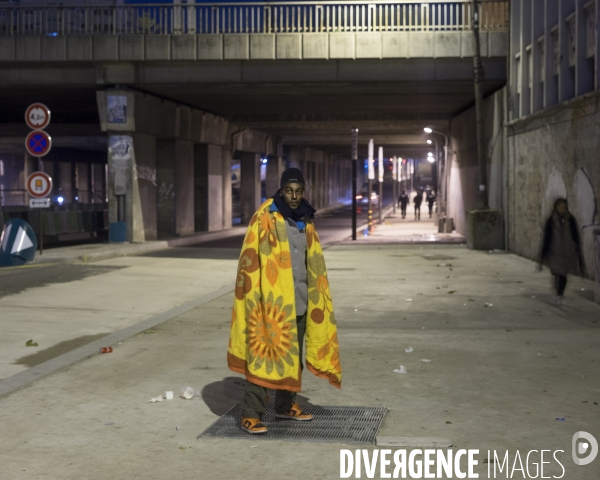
{"points": [[301, 214]]}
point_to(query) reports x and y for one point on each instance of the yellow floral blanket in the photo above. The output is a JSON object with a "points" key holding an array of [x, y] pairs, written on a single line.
{"points": [[263, 343]]}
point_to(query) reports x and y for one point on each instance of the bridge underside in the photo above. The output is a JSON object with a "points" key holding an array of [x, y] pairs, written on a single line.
{"points": [[307, 103]]}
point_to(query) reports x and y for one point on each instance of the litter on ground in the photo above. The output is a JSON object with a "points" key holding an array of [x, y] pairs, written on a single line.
{"points": [[402, 369], [409, 350]]}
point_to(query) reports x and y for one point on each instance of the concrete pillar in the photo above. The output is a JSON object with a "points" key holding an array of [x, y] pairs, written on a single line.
{"points": [[123, 190], [165, 177], [226, 157], [250, 185], [145, 149], [184, 187], [274, 171], [208, 193]]}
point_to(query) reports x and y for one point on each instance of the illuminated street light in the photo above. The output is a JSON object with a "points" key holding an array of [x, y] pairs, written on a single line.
{"points": [[429, 141], [445, 182], [430, 159]]}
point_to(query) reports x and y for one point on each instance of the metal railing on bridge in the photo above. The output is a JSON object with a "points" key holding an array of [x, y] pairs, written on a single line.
{"points": [[249, 17]]}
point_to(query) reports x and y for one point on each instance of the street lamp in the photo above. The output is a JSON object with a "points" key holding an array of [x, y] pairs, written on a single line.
{"points": [[430, 130]]}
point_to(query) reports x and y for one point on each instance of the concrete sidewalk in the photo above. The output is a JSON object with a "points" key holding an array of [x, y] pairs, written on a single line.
{"points": [[498, 377], [396, 230], [93, 252]]}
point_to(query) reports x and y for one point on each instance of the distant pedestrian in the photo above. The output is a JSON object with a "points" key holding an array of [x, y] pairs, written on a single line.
{"points": [[403, 202], [561, 251], [417, 201], [430, 201]]}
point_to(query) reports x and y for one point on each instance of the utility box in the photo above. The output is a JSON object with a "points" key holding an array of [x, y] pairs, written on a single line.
{"points": [[445, 225], [117, 232], [485, 230]]}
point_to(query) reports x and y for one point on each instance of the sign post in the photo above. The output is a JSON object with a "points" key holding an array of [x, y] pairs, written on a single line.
{"points": [[354, 173], [39, 186], [38, 144], [37, 116]]}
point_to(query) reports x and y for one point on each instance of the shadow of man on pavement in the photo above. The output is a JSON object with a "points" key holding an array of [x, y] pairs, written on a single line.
{"points": [[223, 395]]}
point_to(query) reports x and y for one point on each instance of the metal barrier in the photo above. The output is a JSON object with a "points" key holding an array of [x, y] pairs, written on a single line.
{"points": [[263, 17]]}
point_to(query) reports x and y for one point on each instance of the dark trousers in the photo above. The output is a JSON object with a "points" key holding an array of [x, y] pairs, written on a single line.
{"points": [[430, 210], [418, 212], [254, 403], [560, 283], [403, 210]]}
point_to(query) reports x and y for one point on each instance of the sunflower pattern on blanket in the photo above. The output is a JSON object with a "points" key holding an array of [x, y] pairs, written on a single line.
{"points": [[263, 342]]}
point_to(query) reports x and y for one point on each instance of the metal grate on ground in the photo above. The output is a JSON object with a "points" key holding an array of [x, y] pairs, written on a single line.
{"points": [[348, 425]]}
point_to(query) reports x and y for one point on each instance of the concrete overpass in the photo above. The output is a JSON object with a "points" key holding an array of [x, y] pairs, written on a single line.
{"points": [[298, 75]]}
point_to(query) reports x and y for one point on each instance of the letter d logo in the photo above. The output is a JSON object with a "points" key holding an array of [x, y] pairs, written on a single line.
{"points": [[584, 447]]}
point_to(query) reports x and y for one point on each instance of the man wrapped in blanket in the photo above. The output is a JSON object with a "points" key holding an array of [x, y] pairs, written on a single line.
{"points": [[282, 300]]}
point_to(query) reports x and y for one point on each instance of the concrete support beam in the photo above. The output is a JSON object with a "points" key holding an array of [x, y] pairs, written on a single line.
{"points": [[274, 171], [145, 148], [165, 177], [256, 46], [124, 201], [208, 187], [226, 157], [250, 185], [184, 187]]}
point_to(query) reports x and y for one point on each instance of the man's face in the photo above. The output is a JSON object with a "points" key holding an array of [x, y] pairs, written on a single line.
{"points": [[292, 194], [562, 209]]}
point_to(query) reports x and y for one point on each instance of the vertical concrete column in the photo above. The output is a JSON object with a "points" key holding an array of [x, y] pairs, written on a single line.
{"points": [[226, 157], [165, 179], [250, 185], [215, 187], [124, 204], [145, 148], [274, 171], [184, 187], [208, 191]]}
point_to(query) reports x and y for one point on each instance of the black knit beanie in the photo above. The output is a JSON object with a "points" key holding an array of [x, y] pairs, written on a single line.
{"points": [[292, 175]]}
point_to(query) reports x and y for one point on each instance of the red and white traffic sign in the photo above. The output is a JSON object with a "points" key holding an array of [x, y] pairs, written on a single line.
{"points": [[38, 143], [39, 185], [37, 116]]}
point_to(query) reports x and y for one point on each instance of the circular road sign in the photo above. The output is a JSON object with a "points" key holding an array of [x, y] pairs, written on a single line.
{"points": [[37, 116], [39, 185], [38, 143]]}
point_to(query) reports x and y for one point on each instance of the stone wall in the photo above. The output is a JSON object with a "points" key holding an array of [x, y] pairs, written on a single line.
{"points": [[463, 180], [551, 155]]}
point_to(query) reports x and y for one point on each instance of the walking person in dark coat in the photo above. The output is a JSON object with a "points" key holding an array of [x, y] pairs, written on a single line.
{"points": [[561, 251], [403, 202], [417, 201], [430, 201]]}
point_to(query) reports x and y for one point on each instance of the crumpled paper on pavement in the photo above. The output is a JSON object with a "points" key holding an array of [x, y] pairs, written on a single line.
{"points": [[156, 399], [187, 393], [402, 369]]}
